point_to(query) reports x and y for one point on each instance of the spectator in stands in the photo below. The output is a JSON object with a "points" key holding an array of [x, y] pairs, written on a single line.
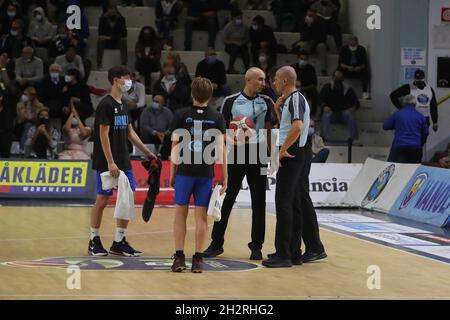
{"points": [[181, 69], [76, 136], [83, 32], [353, 63], [200, 14], [236, 37], [426, 102], [166, 12], [8, 102], [62, 40], [269, 90], [8, 64], [77, 96], [40, 30], [50, 91], [307, 80], [134, 99], [313, 38], [42, 138], [320, 153], [441, 159], [214, 70], [13, 12], [264, 62], [411, 131], [27, 110], [13, 42], [70, 60], [112, 34], [148, 54], [256, 5], [286, 13], [175, 92], [339, 104], [328, 13], [262, 40], [155, 126], [29, 68]]}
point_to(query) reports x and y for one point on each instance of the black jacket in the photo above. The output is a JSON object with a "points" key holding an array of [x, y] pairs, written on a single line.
{"points": [[345, 56], [51, 94], [178, 99], [118, 31], [317, 31], [338, 98], [265, 34], [306, 75], [214, 72]]}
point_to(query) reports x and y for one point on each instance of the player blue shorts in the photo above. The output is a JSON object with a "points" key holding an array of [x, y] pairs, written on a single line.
{"points": [[128, 173], [200, 187]]}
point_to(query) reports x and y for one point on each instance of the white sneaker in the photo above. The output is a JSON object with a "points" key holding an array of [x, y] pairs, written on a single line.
{"points": [[365, 96]]}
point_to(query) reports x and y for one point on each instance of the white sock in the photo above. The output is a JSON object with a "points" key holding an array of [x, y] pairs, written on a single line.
{"points": [[94, 233], [120, 234]]}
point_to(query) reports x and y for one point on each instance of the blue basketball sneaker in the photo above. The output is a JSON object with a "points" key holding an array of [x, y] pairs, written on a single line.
{"points": [[123, 248], [95, 247]]}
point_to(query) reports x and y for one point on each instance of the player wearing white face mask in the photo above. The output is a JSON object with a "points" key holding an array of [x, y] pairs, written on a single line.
{"points": [[111, 134]]}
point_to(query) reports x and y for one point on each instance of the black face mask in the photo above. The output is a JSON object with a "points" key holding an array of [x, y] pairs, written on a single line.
{"points": [[420, 84], [43, 121]]}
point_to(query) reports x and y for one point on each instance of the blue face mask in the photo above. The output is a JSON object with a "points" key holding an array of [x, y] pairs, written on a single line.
{"points": [[170, 77], [155, 105], [211, 59], [74, 122], [311, 131], [14, 33]]}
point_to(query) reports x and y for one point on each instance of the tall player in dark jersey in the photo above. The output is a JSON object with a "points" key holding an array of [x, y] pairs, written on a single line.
{"points": [[111, 135], [257, 107], [191, 173]]}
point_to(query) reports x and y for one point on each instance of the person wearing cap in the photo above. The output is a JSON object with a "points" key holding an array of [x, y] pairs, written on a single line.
{"points": [[424, 94], [411, 131]]}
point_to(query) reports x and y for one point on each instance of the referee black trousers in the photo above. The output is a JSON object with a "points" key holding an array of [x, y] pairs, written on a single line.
{"points": [[257, 184], [288, 234]]}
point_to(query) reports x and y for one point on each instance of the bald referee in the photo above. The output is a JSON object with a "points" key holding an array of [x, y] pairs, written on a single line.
{"points": [[293, 112], [257, 107]]}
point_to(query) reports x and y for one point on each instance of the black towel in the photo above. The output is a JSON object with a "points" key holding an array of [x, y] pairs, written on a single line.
{"points": [[153, 167]]}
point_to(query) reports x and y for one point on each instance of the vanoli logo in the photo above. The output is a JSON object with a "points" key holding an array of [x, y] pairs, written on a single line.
{"points": [[128, 264], [378, 186], [413, 191]]}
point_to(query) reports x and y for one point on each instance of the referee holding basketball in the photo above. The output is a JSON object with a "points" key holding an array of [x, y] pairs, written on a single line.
{"points": [[293, 112], [251, 104]]}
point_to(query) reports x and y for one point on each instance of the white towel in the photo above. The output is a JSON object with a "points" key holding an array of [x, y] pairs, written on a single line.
{"points": [[125, 198], [215, 204]]}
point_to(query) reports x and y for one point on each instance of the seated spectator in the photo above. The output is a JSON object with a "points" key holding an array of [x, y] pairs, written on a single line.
{"points": [[411, 132], [181, 69], [307, 80], [42, 138], [166, 12], [236, 37], [256, 5], [29, 68], [135, 100], [264, 62], [328, 13], [83, 32], [50, 91], [13, 42], [353, 63], [76, 136], [262, 40], [40, 30], [313, 38], [441, 159], [200, 14], [286, 13], [27, 110], [339, 105], [214, 70], [13, 12], [62, 40], [112, 34], [8, 64], [148, 54], [8, 102], [155, 126], [320, 153], [77, 96], [70, 60], [175, 92]]}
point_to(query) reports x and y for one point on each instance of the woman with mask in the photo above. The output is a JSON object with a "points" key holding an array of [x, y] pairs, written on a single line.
{"points": [[148, 54], [76, 137], [42, 138], [27, 110], [76, 95], [174, 90]]}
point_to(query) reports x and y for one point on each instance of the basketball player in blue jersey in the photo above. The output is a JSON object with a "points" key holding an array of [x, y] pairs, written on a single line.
{"points": [[257, 107]]}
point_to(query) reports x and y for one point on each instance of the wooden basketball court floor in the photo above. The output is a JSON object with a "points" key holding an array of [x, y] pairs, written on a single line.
{"points": [[35, 233]]}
